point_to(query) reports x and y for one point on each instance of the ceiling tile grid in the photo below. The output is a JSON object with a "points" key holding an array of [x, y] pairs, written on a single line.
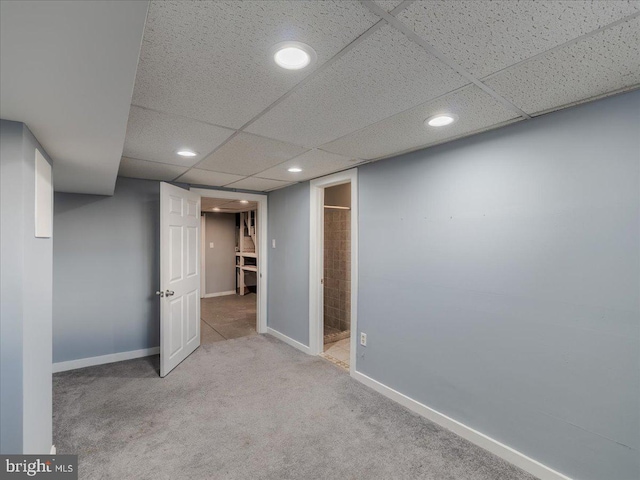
{"points": [[406, 131], [196, 176], [212, 61], [158, 136], [134, 168], [313, 163], [485, 36], [247, 154], [259, 184], [385, 74], [388, 5], [605, 62]]}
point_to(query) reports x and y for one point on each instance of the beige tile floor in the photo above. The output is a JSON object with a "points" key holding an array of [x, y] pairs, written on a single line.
{"points": [[339, 350], [223, 318]]}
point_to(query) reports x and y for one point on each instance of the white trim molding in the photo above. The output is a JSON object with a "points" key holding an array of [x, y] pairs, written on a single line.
{"points": [[263, 251], [219, 294], [480, 439], [103, 359], [316, 241], [288, 340]]}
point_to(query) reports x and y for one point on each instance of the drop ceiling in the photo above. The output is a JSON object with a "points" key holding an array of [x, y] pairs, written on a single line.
{"points": [[222, 205], [206, 80]]}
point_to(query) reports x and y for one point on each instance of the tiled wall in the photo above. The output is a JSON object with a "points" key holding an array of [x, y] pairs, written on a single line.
{"points": [[337, 260]]}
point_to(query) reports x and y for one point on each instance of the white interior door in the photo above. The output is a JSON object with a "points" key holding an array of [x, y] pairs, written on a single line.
{"points": [[179, 275]]}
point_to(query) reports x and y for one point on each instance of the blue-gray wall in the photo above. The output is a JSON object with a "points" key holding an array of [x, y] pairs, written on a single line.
{"points": [[499, 283], [288, 263], [106, 271], [25, 300]]}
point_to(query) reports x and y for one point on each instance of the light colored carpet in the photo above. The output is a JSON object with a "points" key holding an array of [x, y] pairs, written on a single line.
{"points": [[251, 408]]}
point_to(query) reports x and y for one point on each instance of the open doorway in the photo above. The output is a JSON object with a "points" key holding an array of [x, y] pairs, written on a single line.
{"points": [[229, 266], [337, 274], [333, 268]]}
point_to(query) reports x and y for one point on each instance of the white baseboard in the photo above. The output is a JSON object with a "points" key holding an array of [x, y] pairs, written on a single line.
{"points": [[507, 453], [102, 359], [219, 294], [289, 340]]}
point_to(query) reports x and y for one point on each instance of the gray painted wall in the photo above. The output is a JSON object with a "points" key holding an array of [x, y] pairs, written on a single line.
{"points": [[106, 271], [288, 263], [500, 284], [25, 301], [220, 261]]}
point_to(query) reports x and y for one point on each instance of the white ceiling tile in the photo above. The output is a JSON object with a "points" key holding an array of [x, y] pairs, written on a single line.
{"points": [[134, 168], [239, 206], [388, 5], [196, 176], [484, 36], [212, 60], [602, 63], [476, 111], [246, 154], [258, 184], [209, 203], [226, 205], [313, 163], [385, 74], [158, 136]]}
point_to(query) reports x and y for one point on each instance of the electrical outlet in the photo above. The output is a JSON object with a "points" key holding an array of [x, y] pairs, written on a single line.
{"points": [[273, 243], [363, 339]]}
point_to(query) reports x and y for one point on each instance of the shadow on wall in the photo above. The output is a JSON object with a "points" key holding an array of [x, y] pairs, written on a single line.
{"points": [[106, 269]]}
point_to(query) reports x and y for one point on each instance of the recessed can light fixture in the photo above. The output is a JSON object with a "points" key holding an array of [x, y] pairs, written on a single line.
{"points": [[441, 120], [186, 153], [293, 55], [295, 170], [244, 201], [215, 209]]}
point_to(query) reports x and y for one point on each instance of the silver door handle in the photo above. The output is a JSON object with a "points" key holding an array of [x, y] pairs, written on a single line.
{"points": [[169, 293], [159, 293]]}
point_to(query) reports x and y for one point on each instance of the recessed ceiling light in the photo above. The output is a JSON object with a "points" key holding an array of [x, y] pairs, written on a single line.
{"points": [[186, 153], [295, 170], [244, 201], [293, 55], [441, 120], [215, 209]]}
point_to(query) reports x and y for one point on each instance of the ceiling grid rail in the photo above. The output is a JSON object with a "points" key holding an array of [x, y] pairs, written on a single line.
{"points": [[410, 34]]}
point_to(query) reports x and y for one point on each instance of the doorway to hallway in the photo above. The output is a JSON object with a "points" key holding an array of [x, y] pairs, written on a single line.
{"points": [[229, 266]]}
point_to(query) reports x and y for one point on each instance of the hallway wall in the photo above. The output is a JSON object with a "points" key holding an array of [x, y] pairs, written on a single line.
{"points": [[220, 261]]}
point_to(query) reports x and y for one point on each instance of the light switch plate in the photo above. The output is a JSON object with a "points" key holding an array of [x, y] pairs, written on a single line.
{"points": [[210, 244]]}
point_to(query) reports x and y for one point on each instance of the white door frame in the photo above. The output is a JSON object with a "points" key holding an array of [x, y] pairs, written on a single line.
{"points": [[261, 200], [316, 260]]}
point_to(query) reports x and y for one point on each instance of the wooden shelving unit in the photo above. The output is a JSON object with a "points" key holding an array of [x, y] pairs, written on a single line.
{"points": [[247, 254]]}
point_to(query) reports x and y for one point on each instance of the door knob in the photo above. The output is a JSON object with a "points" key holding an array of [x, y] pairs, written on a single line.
{"points": [[169, 293], [159, 293]]}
